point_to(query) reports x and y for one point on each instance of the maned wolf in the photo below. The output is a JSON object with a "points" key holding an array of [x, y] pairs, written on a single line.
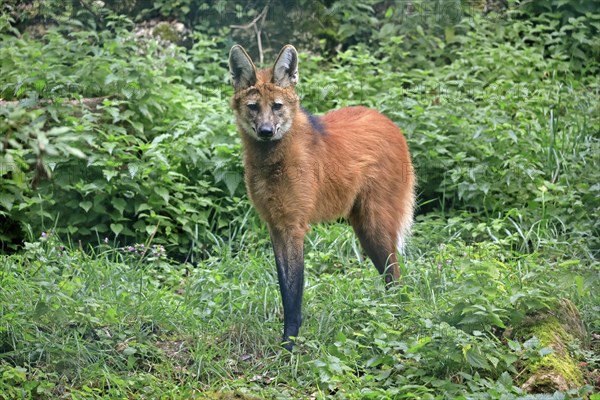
{"points": [[303, 169]]}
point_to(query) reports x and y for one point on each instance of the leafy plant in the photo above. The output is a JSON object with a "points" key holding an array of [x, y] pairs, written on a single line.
{"points": [[142, 159]]}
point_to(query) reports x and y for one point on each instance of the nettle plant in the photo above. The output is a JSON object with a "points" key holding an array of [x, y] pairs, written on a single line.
{"points": [[115, 143]]}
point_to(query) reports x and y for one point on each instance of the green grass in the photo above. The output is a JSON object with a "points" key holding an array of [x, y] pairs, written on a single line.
{"points": [[502, 116], [106, 323]]}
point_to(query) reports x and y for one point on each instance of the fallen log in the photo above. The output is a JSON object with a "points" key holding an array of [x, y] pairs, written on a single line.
{"points": [[557, 331]]}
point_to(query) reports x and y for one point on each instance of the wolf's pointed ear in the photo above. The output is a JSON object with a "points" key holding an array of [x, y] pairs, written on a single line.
{"points": [[241, 67], [285, 70]]}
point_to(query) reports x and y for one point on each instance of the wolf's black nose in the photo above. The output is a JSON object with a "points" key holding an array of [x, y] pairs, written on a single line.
{"points": [[265, 131]]}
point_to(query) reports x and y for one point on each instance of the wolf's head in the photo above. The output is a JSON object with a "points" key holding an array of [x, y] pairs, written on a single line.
{"points": [[265, 101]]}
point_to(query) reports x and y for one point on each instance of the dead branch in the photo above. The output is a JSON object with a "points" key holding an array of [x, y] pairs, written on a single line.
{"points": [[90, 103], [256, 24]]}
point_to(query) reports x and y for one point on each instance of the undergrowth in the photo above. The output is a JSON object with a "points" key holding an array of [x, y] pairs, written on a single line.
{"points": [[132, 263], [125, 322]]}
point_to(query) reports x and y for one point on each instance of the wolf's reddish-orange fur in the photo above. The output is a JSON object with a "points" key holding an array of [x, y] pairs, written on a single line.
{"points": [[359, 168], [353, 163]]}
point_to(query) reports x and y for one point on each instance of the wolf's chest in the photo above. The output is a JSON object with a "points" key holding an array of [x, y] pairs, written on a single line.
{"points": [[280, 192]]}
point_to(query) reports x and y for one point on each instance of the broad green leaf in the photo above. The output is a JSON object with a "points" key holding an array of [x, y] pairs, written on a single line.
{"points": [[116, 228], [86, 205], [162, 192], [119, 204], [75, 151], [150, 229], [476, 359], [7, 200]]}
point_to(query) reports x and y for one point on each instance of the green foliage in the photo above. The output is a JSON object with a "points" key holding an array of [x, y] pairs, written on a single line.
{"points": [[566, 27], [486, 136], [23, 155], [118, 154], [151, 153], [112, 324]]}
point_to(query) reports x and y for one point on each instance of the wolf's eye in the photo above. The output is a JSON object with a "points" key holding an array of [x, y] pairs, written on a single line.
{"points": [[277, 106], [253, 107]]}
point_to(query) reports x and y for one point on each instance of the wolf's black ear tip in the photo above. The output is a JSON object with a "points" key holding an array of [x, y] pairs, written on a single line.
{"points": [[236, 48]]}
